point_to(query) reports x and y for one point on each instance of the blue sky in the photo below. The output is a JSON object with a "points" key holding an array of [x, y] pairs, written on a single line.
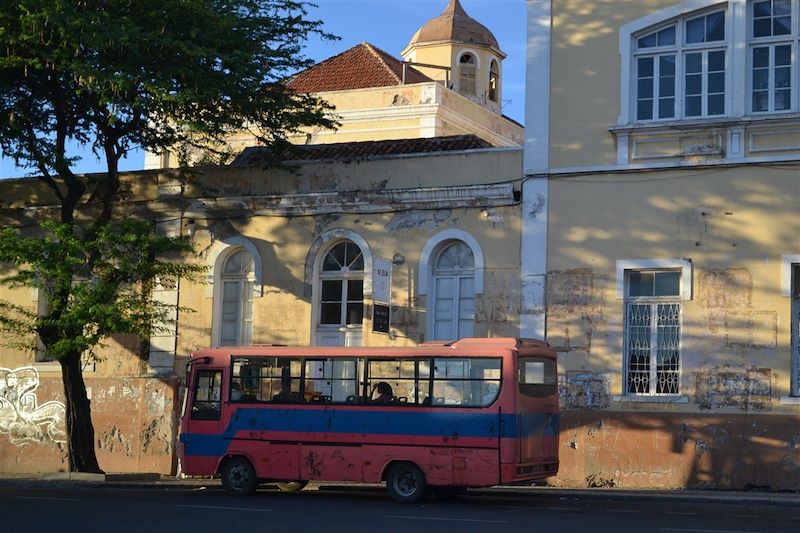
{"points": [[387, 24]]}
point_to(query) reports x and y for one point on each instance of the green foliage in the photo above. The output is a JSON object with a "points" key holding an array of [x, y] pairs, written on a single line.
{"points": [[94, 284], [116, 74]]}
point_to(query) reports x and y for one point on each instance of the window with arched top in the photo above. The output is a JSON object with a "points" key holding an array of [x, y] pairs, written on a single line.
{"points": [[494, 80], [453, 303], [236, 312], [341, 281], [467, 67]]}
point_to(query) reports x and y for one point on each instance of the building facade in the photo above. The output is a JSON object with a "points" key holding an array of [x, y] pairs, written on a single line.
{"points": [[291, 258], [661, 237]]}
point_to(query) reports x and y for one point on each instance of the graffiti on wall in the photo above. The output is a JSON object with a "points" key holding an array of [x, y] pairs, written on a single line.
{"points": [[21, 416]]}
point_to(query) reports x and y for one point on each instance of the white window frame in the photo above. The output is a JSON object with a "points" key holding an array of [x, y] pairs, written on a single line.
{"points": [[457, 276], [312, 286], [243, 297], [623, 268], [219, 253], [680, 50], [790, 279], [739, 44], [344, 276], [771, 42]]}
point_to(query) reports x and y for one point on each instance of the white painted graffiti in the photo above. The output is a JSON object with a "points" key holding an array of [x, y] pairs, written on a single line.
{"points": [[21, 416]]}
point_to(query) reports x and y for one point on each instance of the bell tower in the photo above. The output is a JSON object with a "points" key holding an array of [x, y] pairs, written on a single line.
{"points": [[470, 51]]}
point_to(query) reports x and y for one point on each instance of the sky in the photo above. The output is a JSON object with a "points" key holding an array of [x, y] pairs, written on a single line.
{"points": [[389, 25]]}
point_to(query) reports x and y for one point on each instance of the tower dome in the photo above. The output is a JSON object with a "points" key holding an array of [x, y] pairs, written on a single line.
{"points": [[454, 25]]}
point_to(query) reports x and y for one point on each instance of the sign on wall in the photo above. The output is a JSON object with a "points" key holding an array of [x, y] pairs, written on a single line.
{"points": [[382, 295]]}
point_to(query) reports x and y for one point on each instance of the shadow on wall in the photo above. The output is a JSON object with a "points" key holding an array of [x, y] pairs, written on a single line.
{"points": [[677, 450]]}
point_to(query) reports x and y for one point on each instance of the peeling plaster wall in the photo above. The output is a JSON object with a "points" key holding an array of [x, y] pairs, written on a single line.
{"points": [[731, 426], [135, 422], [676, 451], [395, 205]]}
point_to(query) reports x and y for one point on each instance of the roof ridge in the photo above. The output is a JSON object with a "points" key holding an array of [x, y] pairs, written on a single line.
{"points": [[377, 53]]}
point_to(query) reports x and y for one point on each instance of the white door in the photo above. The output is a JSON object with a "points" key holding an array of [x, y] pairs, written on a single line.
{"points": [[453, 306]]}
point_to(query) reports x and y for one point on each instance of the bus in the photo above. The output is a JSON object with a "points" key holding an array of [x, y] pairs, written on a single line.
{"points": [[436, 418]]}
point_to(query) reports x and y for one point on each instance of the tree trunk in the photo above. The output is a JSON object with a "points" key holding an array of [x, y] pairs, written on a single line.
{"points": [[80, 431]]}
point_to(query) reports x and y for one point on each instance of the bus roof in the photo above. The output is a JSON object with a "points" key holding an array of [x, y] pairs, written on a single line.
{"points": [[463, 347]]}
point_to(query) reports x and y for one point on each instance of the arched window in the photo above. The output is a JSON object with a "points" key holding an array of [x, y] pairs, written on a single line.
{"points": [[236, 312], [466, 74], [341, 279], [453, 303], [494, 80], [681, 68]]}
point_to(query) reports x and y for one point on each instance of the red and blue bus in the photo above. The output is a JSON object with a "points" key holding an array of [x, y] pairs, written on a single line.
{"points": [[432, 418]]}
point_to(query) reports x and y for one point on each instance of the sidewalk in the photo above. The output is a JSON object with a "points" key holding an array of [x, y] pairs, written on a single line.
{"points": [[155, 481]]}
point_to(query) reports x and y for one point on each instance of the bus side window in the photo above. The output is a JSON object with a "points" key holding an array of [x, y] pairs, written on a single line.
{"points": [[537, 377], [207, 394]]}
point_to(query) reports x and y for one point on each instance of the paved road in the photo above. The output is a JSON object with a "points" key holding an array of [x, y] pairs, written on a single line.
{"points": [[200, 509]]}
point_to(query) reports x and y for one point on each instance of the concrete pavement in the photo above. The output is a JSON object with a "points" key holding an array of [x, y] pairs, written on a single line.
{"points": [[155, 481]]}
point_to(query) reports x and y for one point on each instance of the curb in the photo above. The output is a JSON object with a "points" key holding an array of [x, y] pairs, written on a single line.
{"points": [[149, 481]]}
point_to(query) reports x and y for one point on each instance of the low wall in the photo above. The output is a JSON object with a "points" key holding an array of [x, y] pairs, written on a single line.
{"points": [[674, 450], [135, 423]]}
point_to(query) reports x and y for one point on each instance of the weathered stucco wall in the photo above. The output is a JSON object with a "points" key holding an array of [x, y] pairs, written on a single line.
{"points": [[733, 224], [678, 450], [733, 427], [395, 205], [135, 422]]}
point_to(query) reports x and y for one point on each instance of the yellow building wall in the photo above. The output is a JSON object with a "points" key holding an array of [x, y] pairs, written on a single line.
{"points": [[733, 224]]}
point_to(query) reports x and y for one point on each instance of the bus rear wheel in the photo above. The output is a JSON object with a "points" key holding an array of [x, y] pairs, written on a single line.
{"points": [[239, 477], [291, 486], [405, 483]]}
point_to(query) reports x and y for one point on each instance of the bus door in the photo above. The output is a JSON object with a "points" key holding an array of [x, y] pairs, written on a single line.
{"points": [[202, 424], [537, 409]]}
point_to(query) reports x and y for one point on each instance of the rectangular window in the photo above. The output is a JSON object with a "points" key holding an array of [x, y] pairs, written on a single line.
{"points": [[404, 381], [207, 391], [656, 87], [237, 313], [330, 380], [704, 75], [465, 382], [537, 377], [772, 18], [652, 332], [266, 379], [771, 80]]}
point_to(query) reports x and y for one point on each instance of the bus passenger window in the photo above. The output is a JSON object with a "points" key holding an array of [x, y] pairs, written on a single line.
{"points": [[537, 377], [467, 382], [207, 389], [401, 376]]}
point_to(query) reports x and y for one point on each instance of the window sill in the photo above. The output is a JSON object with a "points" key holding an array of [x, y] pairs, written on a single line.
{"points": [[702, 123], [789, 400], [651, 399]]}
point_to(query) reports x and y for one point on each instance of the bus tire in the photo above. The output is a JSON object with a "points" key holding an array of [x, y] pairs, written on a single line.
{"points": [[239, 477], [405, 483], [291, 486]]}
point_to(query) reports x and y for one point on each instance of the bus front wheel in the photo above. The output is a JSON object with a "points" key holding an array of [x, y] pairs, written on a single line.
{"points": [[291, 486], [239, 477], [406, 483]]}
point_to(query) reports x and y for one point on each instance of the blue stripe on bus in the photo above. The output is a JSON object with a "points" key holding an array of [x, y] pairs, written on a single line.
{"points": [[447, 424]]}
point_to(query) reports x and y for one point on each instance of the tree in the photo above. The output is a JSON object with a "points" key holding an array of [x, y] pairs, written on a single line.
{"points": [[112, 75]]}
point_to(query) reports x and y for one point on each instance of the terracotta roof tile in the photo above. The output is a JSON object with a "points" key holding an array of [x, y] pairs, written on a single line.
{"points": [[360, 67], [356, 151]]}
